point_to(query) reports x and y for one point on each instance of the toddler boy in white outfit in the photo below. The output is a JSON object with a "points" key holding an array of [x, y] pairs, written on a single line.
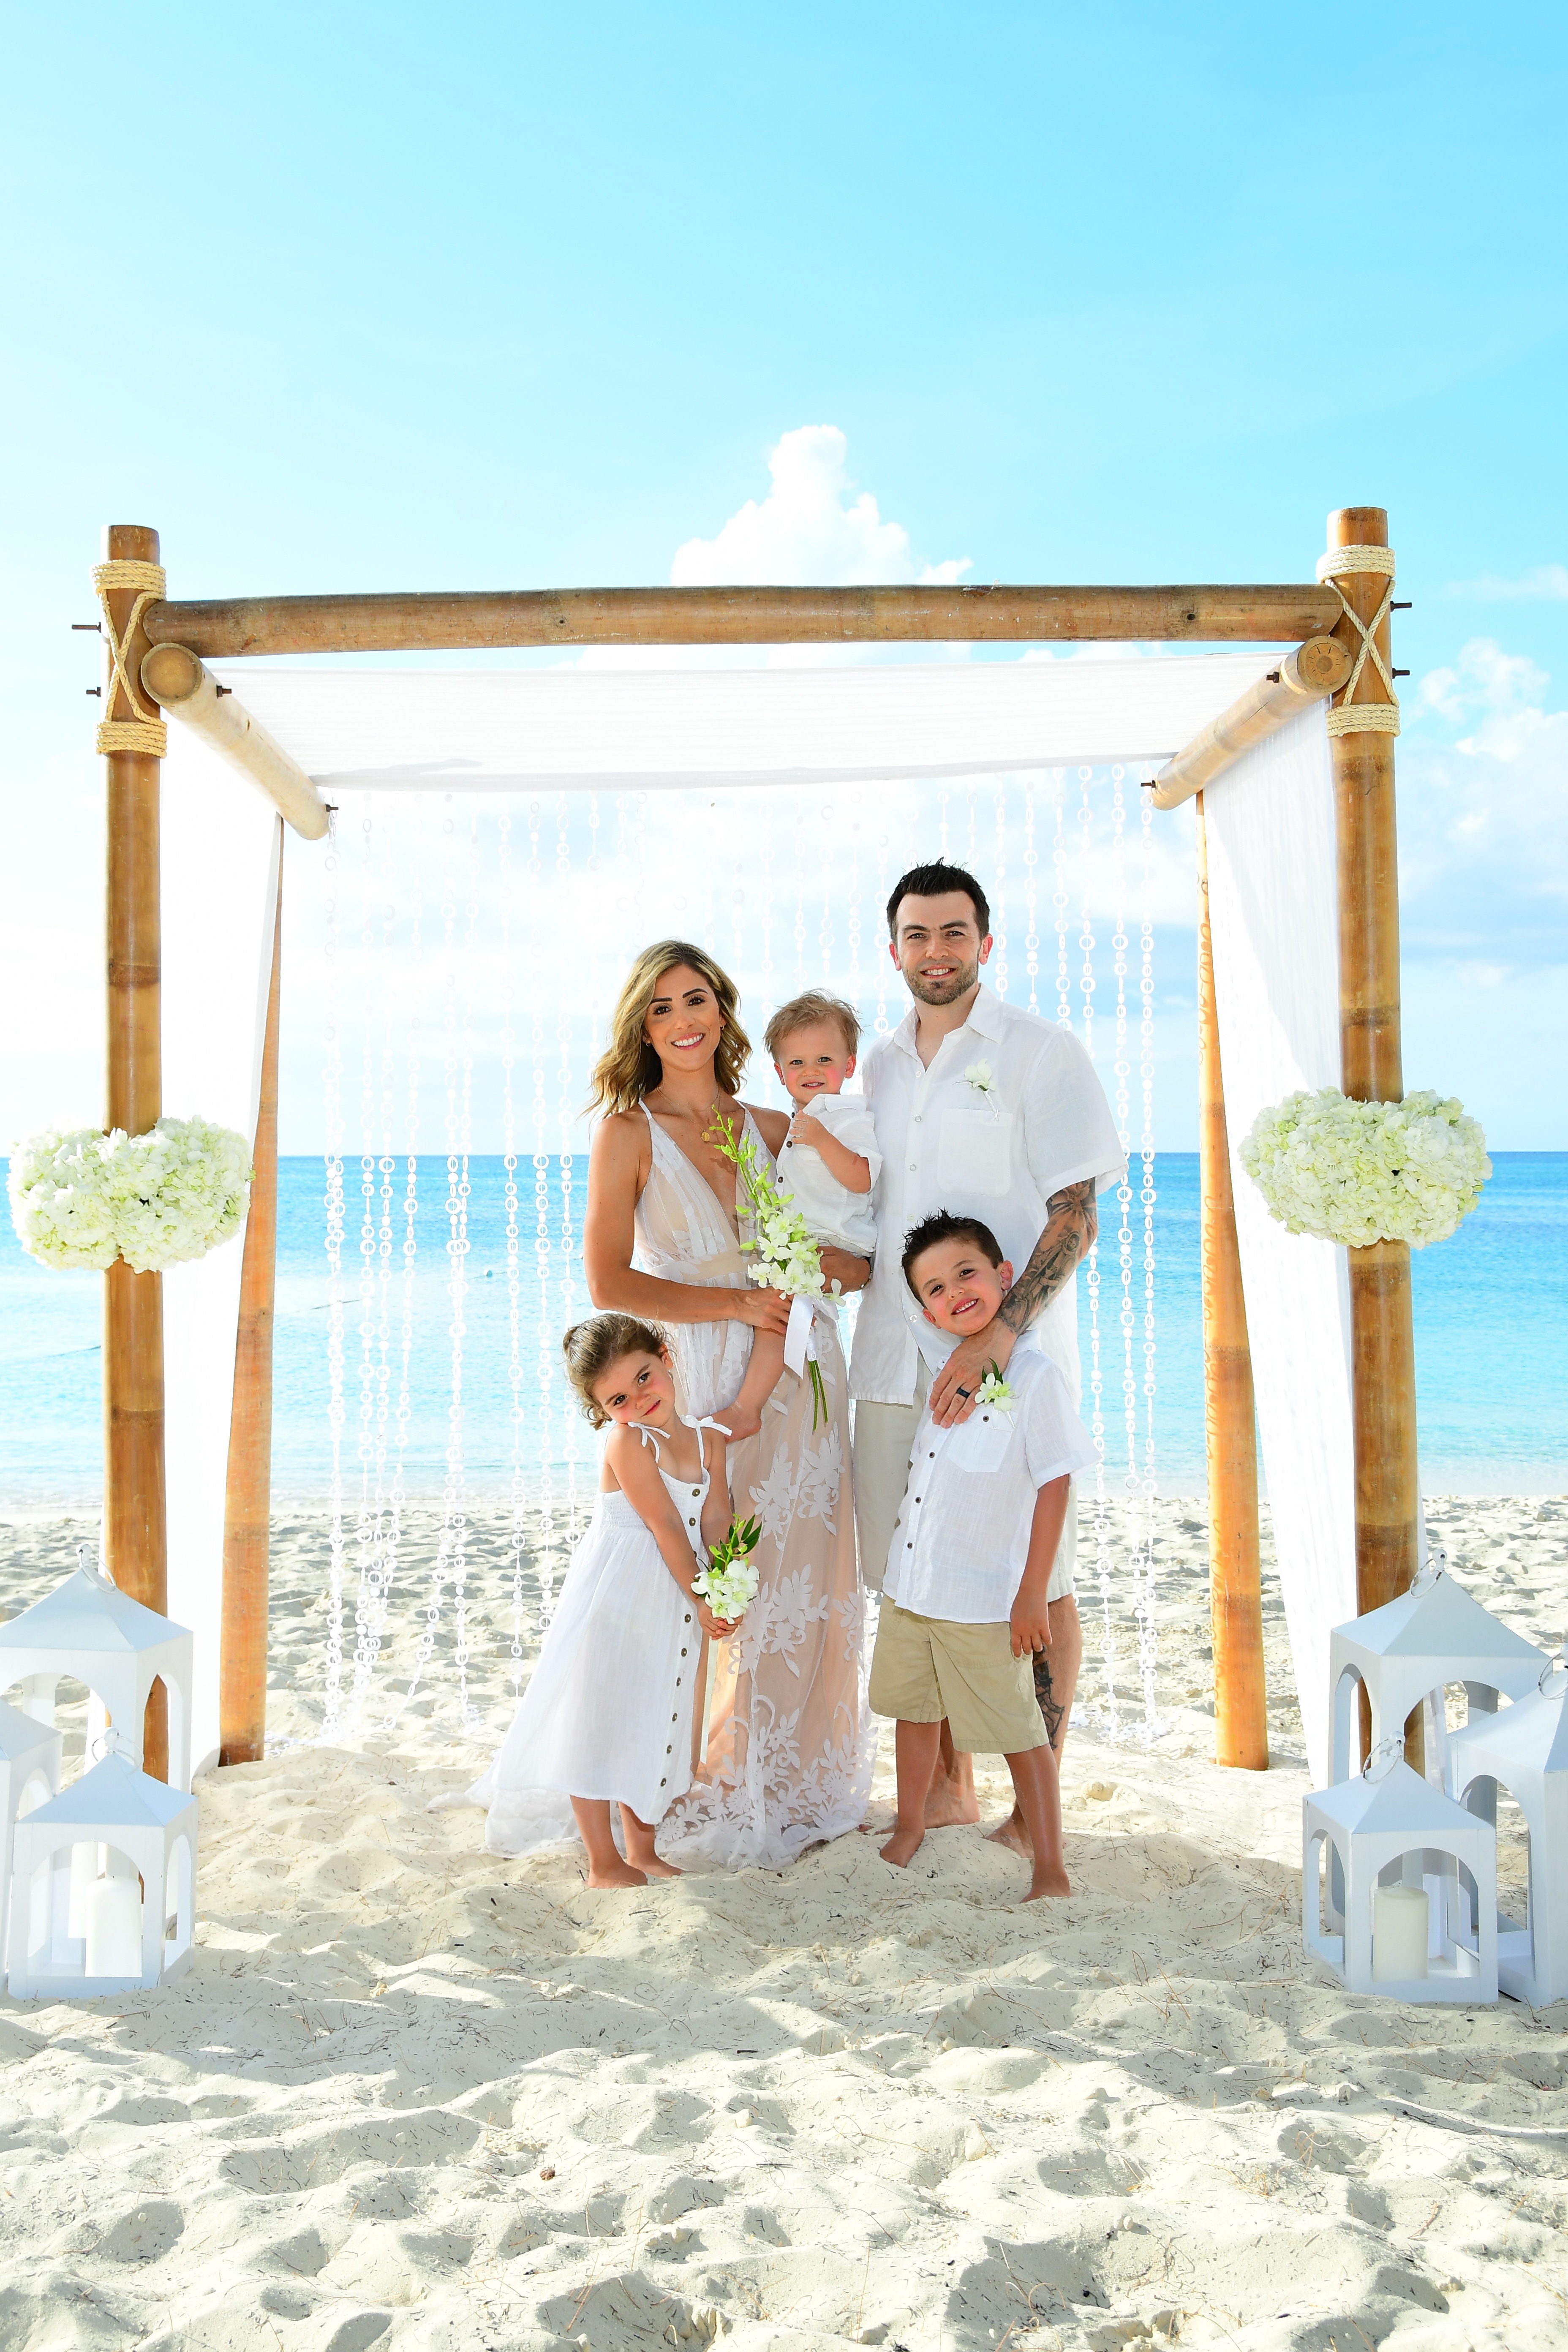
{"points": [[829, 1159], [966, 1599]]}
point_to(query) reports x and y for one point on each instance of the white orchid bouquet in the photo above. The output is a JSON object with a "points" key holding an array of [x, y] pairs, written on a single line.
{"points": [[82, 1198], [728, 1581], [783, 1254], [1359, 1172]]}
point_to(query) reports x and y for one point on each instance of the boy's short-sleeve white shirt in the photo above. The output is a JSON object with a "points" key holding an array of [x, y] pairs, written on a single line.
{"points": [[834, 1213], [962, 1542], [1036, 1121]]}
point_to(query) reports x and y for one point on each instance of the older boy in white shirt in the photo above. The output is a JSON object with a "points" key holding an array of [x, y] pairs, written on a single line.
{"points": [[966, 1595]]}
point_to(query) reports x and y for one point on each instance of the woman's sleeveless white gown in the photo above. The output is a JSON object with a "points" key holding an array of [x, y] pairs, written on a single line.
{"points": [[790, 1740]]}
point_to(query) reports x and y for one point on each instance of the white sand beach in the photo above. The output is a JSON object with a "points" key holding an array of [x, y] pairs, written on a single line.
{"points": [[414, 2095]]}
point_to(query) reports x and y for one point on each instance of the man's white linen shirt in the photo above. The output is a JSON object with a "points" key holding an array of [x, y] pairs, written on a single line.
{"points": [[996, 1152], [834, 1213], [962, 1539]]}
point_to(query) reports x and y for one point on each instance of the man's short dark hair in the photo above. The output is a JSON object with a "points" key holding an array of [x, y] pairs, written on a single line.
{"points": [[933, 882], [942, 1225]]}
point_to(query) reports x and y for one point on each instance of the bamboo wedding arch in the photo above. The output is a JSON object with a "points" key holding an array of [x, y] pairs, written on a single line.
{"points": [[1338, 628]]}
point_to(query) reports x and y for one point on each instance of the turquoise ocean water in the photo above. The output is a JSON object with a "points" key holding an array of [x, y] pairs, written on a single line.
{"points": [[1491, 1308]]}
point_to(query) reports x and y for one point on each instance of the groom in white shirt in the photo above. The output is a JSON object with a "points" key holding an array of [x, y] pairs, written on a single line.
{"points": [[989, 1111]]}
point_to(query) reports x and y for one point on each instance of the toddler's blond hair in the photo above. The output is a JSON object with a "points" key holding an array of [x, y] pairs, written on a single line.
{"points": [[808, 1012]]}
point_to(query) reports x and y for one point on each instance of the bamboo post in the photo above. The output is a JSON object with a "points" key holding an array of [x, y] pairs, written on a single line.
{"points": [[248, 1502], [130, 738], [1236, 1577], [1383, 1345]]}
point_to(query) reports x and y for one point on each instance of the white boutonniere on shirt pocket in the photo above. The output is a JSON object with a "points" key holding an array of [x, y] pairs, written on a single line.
{"points": [[995, 1391], [979, 1075]]}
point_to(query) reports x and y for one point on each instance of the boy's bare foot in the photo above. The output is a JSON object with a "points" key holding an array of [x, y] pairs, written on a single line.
{"points": [[1047, 1882], [902, 1847], [1013, 1834], [616, 1874]]}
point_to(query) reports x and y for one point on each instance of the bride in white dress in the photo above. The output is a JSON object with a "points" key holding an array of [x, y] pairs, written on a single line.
{"points": [[790, 1742]]}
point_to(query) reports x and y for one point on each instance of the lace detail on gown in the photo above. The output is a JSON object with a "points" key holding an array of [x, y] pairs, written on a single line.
{"points": [[790, 1740]]}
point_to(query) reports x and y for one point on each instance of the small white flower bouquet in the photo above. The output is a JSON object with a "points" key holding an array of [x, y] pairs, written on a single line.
{"points": [[728, 1582], [1359, 1172], [81, 1198], [784, 1256], [995, 1391]]}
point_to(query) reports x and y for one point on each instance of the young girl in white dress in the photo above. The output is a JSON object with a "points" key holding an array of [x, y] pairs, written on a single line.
{"points": [[607, 1716]]}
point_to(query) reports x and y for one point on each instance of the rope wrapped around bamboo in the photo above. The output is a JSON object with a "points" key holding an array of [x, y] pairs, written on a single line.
{"points": [[1348, 717], [145, 732]]}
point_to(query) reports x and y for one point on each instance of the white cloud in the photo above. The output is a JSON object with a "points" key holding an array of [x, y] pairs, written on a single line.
{"points": [[1502, 690], [1548, 583], [1483, 819], [808, 531]]}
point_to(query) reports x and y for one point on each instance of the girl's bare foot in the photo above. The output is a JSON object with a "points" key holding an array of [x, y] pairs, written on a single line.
{"points": [[657, 1867], [902, 1846], [1047, 1882], [616, 1873]]}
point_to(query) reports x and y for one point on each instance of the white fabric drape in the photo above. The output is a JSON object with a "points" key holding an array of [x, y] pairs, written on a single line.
{"points": [[221, 850], [641, 730], [1273, 911]]}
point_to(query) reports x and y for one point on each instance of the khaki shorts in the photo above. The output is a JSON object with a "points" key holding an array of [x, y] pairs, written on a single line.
{"points": [[925, 1668], [884, 1434]]}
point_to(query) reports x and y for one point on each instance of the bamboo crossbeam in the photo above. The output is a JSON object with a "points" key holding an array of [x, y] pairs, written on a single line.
{"points": [[135, 1540], [1313, 672], [247, 1500], [228, 628], [187, 690], [1230, 1428]]}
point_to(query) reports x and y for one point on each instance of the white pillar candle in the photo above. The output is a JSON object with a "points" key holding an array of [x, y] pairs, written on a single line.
{"points": [[1399, 1928], [114, 1928], [84, 1874]]}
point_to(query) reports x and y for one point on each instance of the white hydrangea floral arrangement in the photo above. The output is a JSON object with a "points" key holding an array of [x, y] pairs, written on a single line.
{"points": [[81, 1198], [1359, 1172]]}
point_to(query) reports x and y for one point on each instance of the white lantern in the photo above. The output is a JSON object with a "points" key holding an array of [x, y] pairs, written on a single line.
{"points": [[82, 1924], [1432, 1635], [1524, 1750], [29, 1773], [88, 1628], [1420, 1879]]}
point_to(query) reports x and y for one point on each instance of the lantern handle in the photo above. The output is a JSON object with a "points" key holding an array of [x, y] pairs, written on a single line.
{"points": [[1432, 1568], [1387, 1751], [1557, 1665]]}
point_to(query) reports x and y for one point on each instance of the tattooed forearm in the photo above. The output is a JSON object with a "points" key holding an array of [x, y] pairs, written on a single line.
{"points": [[1071, 1224]]}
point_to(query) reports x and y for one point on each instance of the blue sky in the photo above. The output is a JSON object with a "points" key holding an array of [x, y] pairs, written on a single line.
{"points": [[343, 297]]}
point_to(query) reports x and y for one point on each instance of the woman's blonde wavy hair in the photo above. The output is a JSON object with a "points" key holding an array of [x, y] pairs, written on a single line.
{"points": [[628, 1067]]}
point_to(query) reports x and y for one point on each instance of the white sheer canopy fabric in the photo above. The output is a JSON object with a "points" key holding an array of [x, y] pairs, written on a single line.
{"points": [[1272, 901], [640, 729], [1273, 913]]}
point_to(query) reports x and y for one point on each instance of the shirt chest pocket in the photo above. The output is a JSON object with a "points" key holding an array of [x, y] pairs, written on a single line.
{"points": [[980, 1444], [974, 1155]]}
